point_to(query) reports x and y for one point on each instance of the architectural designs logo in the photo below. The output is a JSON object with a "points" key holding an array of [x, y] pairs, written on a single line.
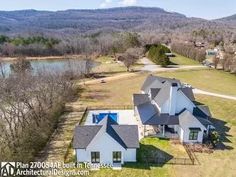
{"points": [[7, 168]]}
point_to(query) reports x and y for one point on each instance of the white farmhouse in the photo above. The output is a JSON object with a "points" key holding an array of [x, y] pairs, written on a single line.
{"points": [[107, 142], [166, 108]]}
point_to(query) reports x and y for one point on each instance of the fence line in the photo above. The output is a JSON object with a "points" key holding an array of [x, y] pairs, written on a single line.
{"points": [[107, 107], [190, 153]]}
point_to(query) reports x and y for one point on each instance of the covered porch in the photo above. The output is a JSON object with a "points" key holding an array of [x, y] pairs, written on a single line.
{"points": [[161, 131]]}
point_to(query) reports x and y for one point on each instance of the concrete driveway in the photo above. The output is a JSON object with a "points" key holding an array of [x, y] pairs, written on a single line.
{"points": [[198, 91]]}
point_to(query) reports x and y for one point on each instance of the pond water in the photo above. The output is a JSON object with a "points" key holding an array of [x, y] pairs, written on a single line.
{"points": [[56, 65]]}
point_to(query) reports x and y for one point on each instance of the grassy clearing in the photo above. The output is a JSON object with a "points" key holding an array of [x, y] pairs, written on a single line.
{"points": [[108, 66], [181, 60], [119, 92], [208, 80]]}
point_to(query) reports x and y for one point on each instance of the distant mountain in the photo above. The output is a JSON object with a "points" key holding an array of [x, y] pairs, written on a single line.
{"points": [[85, 20], [80, 21], [229, 18]]}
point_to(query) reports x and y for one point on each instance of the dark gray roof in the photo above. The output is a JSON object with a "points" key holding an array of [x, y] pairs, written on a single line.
{"points": [[163, 119], [139, 99], [125, 135], [151, 82], [157, 82], [128, 134], [154, 92], [146, 111], [204, 121], [170, 80], [188, 92], [205, 109], [83, 135], [163, 94], [202, 111]]}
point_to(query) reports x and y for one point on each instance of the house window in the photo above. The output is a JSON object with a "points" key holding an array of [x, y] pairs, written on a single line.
{"points": [[117, 157], [95, 157], [193, 135]]}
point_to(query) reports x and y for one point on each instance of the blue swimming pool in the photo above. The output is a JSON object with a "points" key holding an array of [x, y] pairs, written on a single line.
{"points": [[98, 117]]}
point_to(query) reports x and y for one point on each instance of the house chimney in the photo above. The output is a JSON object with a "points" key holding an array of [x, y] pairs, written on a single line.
{"points": [[173, 98]]}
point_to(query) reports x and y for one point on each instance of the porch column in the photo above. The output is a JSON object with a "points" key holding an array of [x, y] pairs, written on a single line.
{"points": [[163, 130]]}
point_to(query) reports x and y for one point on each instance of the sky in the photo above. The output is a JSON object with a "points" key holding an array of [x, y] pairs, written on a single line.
{"points": [[208, 9]]}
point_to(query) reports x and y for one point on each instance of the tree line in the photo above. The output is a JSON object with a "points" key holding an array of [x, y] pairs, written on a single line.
{"points": [[30, 107], [189, 51]]}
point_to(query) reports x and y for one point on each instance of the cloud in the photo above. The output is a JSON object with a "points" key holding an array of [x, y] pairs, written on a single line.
{"points": [[105, 4], [128, 2]]}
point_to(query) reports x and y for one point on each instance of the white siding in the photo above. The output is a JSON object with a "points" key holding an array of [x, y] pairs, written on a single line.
{"points": [[82, 155], [106, 145], [186, 137], [189, 121], [181, 134]]}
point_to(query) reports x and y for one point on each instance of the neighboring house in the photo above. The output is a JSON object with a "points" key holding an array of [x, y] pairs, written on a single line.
{"points": [[166, 108], [106, 142]]}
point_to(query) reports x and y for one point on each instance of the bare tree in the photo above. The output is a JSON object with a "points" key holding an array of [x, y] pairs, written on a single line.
{"points": [[215, 61], [131, 56]]}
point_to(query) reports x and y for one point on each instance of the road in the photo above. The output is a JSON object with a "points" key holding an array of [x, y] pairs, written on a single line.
{"points": [[148, 67], [152, 67], [198, 91]]}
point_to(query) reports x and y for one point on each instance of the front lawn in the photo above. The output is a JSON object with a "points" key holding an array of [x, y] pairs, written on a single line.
{"points": [[181, 60], [222, 161], [209, 80]]}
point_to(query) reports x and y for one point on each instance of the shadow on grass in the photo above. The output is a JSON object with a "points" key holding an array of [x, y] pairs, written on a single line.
{"points": [[150, 156], [223, 130]]}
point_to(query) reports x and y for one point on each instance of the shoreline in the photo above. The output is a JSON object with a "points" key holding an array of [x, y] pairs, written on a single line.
{"points": [[11, 59]]}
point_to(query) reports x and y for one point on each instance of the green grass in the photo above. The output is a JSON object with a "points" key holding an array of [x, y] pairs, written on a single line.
{"points": [[181, 60], [135, 170], [220, 163], [163, 147], [148, 147], [107, 93], [208, 80], [108, 66]]}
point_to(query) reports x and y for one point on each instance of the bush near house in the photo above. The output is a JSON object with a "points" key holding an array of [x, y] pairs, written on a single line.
{"points": [[215, 138], [157, 53]]}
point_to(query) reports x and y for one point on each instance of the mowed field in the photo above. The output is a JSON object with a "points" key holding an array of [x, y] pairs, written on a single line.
{"points": [[181, 60], [220, 163]]}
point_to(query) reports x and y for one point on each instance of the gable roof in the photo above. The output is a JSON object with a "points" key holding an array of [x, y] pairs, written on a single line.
{"points": [[139, 99], [151, 82], [202, 111], [188, 92], [146, 111], [125, 135], [163, 95], [83, 135], [186, 118], [154, 92], [128, 134], [157, 82], [163, 119]]}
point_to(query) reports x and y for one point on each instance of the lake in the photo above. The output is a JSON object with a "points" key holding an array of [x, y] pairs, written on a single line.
{"points": [[56, 65]]}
